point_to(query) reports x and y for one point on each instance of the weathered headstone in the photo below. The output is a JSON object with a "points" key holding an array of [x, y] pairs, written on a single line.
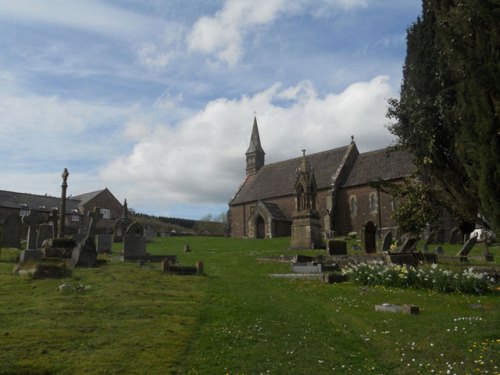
{"points": [[187, 248], [466, 249], [134, 243], [369, 242], [386, 244], [336, 247], [11, 231], [103, 243], [84, 254], [45, 231]]}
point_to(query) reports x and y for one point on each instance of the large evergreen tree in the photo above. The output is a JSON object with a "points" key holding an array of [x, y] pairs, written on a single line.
{"points": [[448, 113]]}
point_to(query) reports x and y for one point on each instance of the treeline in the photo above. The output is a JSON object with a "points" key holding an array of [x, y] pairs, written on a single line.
{"points": [[179, 225]]}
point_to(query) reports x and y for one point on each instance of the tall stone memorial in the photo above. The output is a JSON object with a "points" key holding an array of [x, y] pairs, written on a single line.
{"points": [[62, 215], [306, 227]]}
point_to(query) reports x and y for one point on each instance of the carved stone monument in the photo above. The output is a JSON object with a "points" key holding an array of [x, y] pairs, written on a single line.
{"points": [[306, 227]]}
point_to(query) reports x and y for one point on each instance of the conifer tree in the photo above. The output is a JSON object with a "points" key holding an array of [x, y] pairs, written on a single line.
{"points": [[448, 113]]}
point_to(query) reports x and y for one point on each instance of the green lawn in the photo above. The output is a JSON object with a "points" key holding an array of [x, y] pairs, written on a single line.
{"points": [[234, 319]]}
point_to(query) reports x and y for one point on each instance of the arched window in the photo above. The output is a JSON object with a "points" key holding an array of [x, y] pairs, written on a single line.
{"points": [[373, 203], [353, 205]]}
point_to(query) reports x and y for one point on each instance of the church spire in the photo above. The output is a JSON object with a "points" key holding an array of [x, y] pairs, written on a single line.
{"points": [[255, 153]]}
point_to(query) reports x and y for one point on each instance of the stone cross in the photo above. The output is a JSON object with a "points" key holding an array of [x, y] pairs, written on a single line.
{"points": [[62, 217], [32, 220]]}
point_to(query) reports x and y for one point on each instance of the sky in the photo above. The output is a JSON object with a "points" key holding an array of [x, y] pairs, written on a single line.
{"points": [[155, 99]]}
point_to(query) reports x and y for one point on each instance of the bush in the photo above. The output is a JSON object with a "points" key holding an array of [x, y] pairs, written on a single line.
{"points": [[427, 277]]}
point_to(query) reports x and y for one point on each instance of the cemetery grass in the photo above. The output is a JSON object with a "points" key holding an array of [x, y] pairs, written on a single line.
{"points": [[235, 319]]}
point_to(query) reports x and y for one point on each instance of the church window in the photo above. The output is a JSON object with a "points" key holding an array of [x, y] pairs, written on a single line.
{"points": [[353, 205], [106, 213], [373, 203]]}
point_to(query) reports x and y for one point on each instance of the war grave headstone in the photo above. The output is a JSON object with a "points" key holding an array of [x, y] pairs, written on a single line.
{"points": [[335, 247], [466, 249], [134, 243], [85, 254], [387, 242], [369, 242], [31, 253], [45, 231], [11, 230]]}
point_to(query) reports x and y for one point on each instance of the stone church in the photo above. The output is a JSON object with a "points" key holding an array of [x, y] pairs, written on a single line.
{"points": [[265, 203]]}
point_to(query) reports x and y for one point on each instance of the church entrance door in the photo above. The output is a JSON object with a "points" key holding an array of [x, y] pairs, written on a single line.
{"points": [[260, 226]]}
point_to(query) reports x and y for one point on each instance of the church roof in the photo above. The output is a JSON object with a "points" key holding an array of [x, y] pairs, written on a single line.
{"points": [[380, 165], [277, 179], [84, 198]]}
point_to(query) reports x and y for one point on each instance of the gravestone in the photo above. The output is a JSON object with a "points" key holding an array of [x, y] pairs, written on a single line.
{"points": [[369, 243], [466, 249], [31, 253], [187, 248], [84, 254], [103, 243], [134, 243], [386, 244], [427, 241], [45, 231], [336, 247], [149, 233], [11, 231], [455, 236], [408, 245]]}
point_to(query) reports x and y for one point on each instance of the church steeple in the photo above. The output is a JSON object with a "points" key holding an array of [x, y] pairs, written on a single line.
{"points": [[255, 153]]}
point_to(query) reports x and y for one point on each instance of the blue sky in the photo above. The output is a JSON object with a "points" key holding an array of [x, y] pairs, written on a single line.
{"points": [[155, 99]]}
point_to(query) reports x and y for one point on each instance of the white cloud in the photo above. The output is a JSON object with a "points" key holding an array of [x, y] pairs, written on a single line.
{"points": [[90, 15], [158, 53], [201, 159], [222, 34]]}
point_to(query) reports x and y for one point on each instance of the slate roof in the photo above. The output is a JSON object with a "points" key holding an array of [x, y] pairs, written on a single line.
{"points": [[11, 199], [277, 179], [275, 211], [84, 198], [380, 165]]}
